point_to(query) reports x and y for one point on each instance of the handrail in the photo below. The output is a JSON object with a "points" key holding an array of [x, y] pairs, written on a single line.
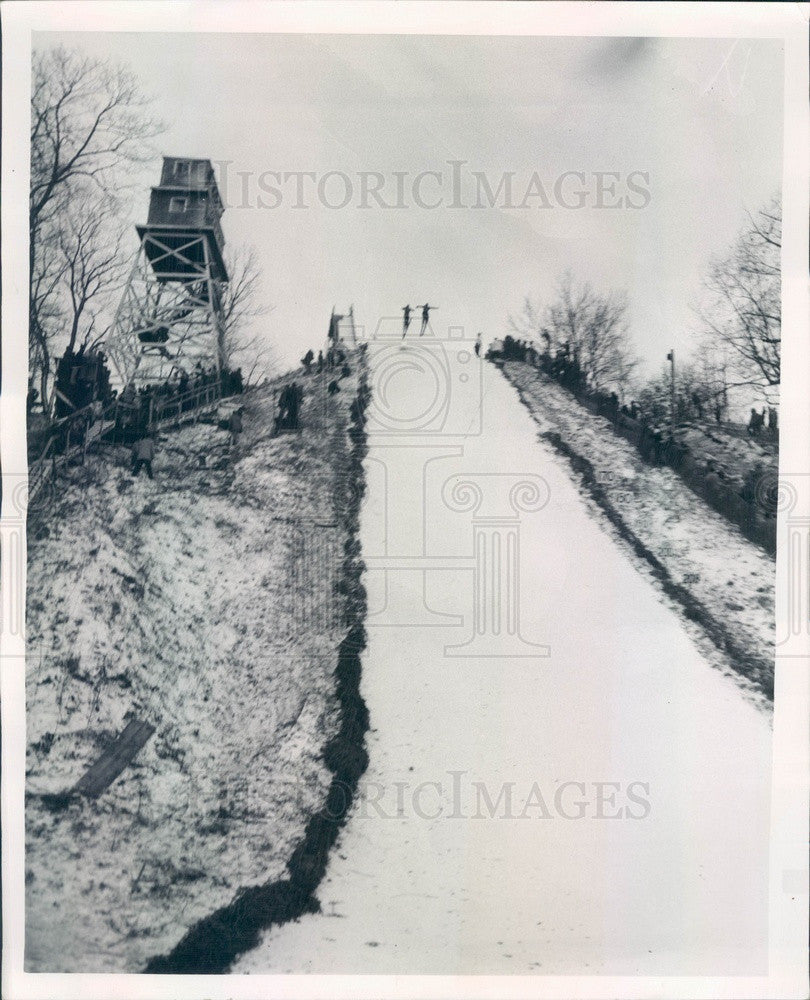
{"points": [[160, 413], [199, 397]]}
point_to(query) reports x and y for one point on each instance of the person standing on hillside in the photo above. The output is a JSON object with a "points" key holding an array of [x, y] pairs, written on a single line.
{"points": [[406, 320], [296, 398], [234, 429], [143, 454]]}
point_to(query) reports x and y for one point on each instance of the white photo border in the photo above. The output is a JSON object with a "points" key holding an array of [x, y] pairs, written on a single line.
{"points": [[788, 963]]}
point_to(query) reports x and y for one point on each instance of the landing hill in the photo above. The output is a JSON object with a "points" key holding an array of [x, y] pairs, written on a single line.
{"points": [[706, 567]]}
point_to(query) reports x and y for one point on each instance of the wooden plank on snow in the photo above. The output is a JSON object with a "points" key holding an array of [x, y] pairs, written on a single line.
{"points": [[114, 759]]}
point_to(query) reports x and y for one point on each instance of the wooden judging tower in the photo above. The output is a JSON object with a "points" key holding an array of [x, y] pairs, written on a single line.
{"points": [[170, 318]]}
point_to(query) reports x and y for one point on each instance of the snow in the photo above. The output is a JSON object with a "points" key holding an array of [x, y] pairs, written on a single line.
{"points": [[628, 695], [729, 575], [184, 601]]}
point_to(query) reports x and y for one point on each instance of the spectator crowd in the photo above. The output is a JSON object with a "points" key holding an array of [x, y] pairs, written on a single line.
{"points": [[85, 399], [742, 495]]}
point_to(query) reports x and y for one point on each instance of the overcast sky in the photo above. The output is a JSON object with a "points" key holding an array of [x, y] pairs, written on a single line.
{"points": [[701, 118]]}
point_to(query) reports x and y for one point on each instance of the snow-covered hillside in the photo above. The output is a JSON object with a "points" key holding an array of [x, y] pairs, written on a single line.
{"points": [[464, 852], [723, 581], [203, 602]]}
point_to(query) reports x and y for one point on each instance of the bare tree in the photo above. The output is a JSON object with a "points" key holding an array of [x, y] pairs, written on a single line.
{"points": [[88, 120], [594, 326], [90, 247], [89, 125], [528, 323], [653, 398], [742, 310], [243, 344], [77, 273], [45, 281], [700, 393], [713, 376]]}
